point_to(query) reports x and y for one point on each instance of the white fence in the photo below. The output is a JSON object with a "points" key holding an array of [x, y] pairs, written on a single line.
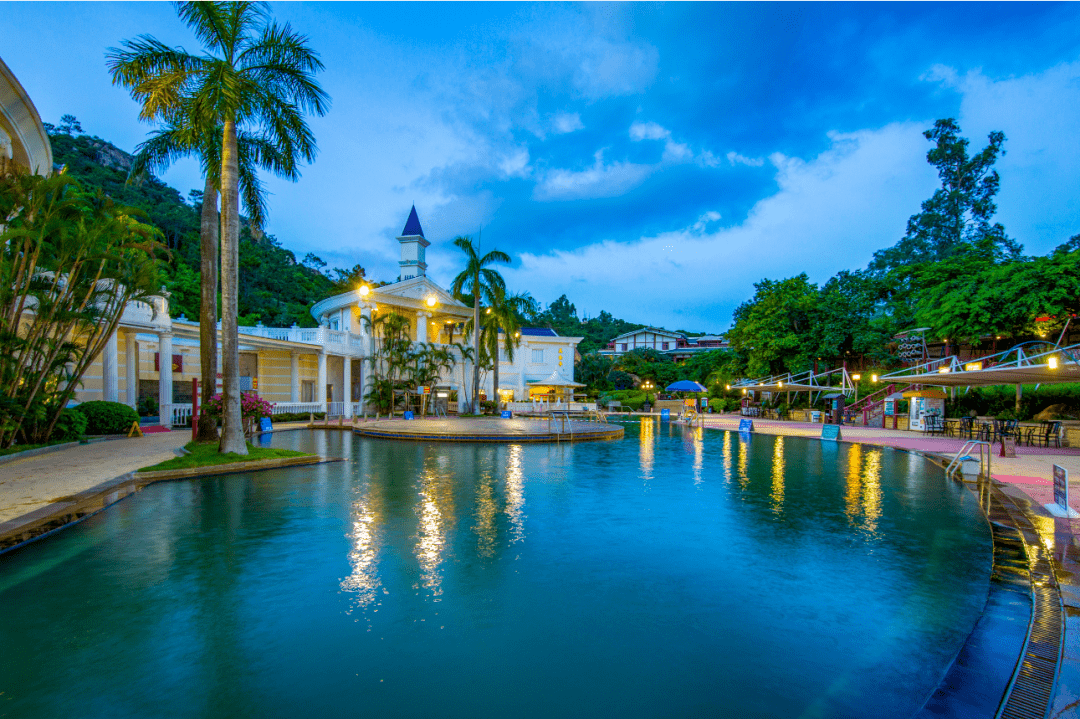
{"points": [[540, 407], [335, 409], [181, 415], [297, 407]]}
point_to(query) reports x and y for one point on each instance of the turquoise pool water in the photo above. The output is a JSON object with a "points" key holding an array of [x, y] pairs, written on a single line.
{"points": [[672, 573]]}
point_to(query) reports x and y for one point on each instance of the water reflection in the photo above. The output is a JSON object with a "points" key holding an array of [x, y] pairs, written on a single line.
{"points": [[486, 511], [431, 539], [699, 451], [744, 461], [862, 495], [777, 493], [727, 456], [363, 555], [647, 440], [515, 494]]}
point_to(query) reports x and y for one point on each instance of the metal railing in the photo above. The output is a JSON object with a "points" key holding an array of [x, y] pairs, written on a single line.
{"points": [[181, 415], [962, 456], [563, 417]]}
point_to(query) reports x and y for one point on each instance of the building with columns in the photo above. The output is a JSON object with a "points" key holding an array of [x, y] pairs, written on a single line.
{"points": [[23, 140], [324, 368]]}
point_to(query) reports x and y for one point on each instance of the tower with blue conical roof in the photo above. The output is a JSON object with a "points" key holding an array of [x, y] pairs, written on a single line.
{"points": [[413, 244]]}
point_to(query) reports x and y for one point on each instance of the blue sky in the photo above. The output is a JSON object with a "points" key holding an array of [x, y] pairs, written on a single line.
{"points": [[651, 160]]}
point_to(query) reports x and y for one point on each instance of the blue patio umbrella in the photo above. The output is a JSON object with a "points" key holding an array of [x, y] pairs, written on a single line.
{"points": [[685, 385]]}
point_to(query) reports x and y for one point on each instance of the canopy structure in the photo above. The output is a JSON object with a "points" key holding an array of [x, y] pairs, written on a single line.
{"points": [[808, 381], [1013, 366], [554, 380], [685, 385]]}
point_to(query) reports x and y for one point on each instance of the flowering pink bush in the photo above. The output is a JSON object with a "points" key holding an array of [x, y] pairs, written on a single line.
{"points": [[251, 406]]}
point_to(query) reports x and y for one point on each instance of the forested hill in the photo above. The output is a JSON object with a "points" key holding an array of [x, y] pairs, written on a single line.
{"points": [[275, 288]]}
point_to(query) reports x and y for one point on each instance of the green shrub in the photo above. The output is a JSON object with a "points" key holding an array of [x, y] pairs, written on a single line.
{"points": [[147, 406], [70, 426], [108, 417]]}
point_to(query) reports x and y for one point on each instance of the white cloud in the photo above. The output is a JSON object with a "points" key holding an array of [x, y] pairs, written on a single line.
{"points": [[1040, 115], [736, 159], [600, 180], [830, 213], [564, 123], [516, 164], [648, 131]]}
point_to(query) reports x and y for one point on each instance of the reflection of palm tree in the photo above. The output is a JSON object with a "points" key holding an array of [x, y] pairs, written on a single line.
{"points": [[181, 137], [477, 279], [257, 74]]}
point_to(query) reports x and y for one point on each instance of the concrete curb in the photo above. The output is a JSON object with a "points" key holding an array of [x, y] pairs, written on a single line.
{"points": [[68, 511]]}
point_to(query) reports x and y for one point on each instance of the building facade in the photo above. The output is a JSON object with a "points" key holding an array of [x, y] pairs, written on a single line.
{"points": [[675, 344]]}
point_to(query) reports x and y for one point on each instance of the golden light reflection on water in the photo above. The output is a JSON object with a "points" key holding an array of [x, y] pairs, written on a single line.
{"points": [[696, 436], [363, 555], [777, 493], [647, 439], [727, 456], [862, 496], [434, 520], [744, 462], [515, 494]]}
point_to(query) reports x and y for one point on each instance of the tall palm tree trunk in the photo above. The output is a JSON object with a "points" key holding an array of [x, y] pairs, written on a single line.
{"points": [[232, 432], [208, 356], [476, 348]]}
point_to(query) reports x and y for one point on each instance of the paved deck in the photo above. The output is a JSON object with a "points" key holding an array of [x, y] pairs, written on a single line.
{"points": [[490, 430]]}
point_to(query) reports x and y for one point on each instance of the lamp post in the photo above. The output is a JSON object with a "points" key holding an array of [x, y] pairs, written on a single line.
{"points": [[855, 379]]}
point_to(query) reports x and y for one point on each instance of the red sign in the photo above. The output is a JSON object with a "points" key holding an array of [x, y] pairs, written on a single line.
{"points": [[177, 362]]}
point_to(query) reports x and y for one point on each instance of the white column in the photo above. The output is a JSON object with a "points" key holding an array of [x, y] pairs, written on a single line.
{"points": [[421, 326], [320, 386], [131, 369], [295, 377], [346, 379], [165, 389], [110, 370]]}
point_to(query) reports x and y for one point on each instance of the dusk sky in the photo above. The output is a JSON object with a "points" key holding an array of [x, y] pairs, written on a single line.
{"points": [[649, 160]]}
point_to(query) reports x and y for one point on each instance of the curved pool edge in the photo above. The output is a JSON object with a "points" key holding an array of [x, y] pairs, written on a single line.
{"points": [[69, 511], [1030, 688]]}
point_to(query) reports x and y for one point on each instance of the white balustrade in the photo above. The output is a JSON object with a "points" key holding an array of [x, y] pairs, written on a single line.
{"points": [[296, 407], [335, 409], [181, 415], [357, 409]]}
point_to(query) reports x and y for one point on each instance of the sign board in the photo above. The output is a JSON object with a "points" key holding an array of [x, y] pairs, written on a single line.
{"points": [[890, 407], [704, 401], [266, 425], [688, 403], [1061, 487], [423, 389], [1008, 447], [831, 431], [665, 414], [408, 414], [746, 425], [507, 414]]}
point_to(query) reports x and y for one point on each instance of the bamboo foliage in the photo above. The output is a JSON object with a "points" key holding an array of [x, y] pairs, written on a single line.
{"points": [[70, 263]]}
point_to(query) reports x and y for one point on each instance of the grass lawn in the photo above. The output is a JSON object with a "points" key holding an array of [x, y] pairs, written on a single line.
{"points": [[206, 454]]}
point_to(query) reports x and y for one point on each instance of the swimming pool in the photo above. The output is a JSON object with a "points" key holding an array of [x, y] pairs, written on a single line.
{"points": [[671, 573]]}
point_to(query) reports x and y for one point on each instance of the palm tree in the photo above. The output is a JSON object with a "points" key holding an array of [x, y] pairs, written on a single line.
{"points": [[256, 74], [500, 318], [477, 279], [180, 137]]}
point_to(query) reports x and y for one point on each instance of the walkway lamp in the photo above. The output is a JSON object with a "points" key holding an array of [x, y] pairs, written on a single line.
{"points": [[1052, 363]]}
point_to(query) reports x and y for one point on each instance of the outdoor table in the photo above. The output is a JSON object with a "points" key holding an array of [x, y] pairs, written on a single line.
{"points": [[952, 427]]}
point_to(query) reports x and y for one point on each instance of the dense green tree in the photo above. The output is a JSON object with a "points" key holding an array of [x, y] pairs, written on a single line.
{"points": [[772, 333]]}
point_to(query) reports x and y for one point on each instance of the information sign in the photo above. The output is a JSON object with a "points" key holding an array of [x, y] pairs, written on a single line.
{"points": [[746, 425], [408, 414], [890, 407], [665, 414], [266, 425], [831, 431], [1008, 447], [507, 414], [1061, 487]]}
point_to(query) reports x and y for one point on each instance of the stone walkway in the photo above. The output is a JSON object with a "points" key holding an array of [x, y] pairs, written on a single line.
{"points": [[34, 482]]}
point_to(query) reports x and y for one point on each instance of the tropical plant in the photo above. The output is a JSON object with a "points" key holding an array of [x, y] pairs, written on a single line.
{"points": [[500, 330], [180, 137], [70, 262], [477, 279], [108, 417], [255, 75]]}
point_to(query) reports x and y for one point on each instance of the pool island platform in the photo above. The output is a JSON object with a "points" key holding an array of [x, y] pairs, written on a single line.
{"points": [[493, 429]]}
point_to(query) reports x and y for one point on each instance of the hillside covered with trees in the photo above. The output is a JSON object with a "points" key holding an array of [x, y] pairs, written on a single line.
{"points": [[275, 287]]}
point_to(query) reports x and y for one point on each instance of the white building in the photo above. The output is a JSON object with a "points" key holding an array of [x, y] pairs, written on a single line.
{"points": [[676, 344], [325, 368]]}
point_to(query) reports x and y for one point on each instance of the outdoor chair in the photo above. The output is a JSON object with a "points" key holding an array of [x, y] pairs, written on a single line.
{"points": [[1049, 433], [932, 425], [967, 427]]}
